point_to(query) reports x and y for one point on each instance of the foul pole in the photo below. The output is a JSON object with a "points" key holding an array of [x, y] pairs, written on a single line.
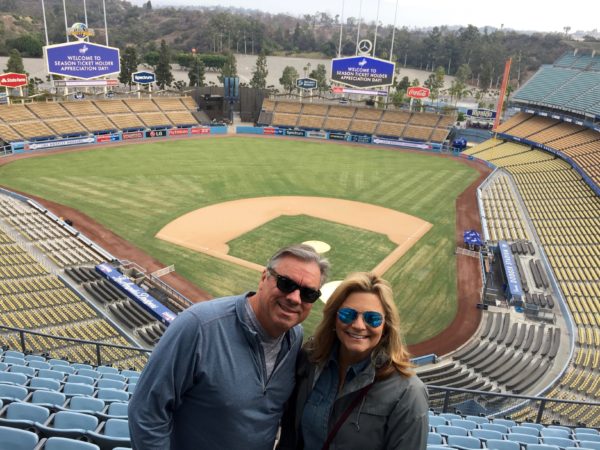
{"points": [[502, 93]]}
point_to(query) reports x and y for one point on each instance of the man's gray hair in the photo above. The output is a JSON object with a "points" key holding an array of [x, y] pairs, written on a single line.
{"points": [[304, 253]]}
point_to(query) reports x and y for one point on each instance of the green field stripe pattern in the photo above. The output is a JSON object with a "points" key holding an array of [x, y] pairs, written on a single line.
{"points": [[135, 190]]}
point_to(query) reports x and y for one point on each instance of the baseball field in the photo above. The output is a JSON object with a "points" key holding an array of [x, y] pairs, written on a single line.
{"points": [[136, 190]]}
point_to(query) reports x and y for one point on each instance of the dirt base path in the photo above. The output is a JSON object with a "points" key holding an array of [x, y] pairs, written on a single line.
{"points": [[468, 272]]}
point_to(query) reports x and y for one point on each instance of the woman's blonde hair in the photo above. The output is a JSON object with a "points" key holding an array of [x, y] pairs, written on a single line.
{"points": [[390, 348]]}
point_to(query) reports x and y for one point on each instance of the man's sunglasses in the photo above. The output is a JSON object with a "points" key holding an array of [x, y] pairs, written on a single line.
{"points": [[371, 318], [287, 286]]}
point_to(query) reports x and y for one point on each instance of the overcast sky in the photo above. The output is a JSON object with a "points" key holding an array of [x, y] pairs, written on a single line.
{"points": [[516, 14]]}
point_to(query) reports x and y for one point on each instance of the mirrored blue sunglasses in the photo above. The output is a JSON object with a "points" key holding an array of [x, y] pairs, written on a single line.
{"points": [[371, 318]]}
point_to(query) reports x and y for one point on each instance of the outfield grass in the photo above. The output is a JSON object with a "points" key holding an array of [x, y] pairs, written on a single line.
{"points": [[135, 190]]}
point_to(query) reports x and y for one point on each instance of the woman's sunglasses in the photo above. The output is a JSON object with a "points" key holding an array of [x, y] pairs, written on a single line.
{"points": [[371, 318], [287, 286]]}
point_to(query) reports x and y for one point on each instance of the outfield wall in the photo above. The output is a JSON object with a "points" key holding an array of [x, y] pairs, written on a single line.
{"points": [[339, 136]]}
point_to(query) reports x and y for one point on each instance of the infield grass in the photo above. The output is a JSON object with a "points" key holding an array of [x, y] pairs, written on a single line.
{"points": [[135, 190]]}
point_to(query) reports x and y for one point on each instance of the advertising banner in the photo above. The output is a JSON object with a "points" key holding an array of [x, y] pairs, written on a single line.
{"points": [[481, 113], [401, 143], [343, 90], [143, 77], [362, 71], [178, 131], [156, 133], [107, 138], [417, 92], [360, 139], [13, 80], [82, 60], [316, 134], [337, 136], [132, 135], [306, 83], [268, 130], [61, 143], [299, 133], [510, 267], [200, 130], [85, 83], [136, 293]]}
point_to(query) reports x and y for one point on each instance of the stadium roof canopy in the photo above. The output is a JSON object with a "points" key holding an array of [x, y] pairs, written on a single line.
{"points": [[571, 84]]}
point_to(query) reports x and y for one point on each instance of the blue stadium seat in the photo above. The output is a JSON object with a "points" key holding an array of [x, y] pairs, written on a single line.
{"points": [[113, 376], [86, 404], [435, 421], [23, 415], [3, 366], [498, 444], [14, 360], [62, 368], [587, 437], [62, 443], [478, 419], [537, 426], [108, 394], [559, 441], [15, 354], [71, 389], [107, 369], [507, 422], [495, 427], [25, 370], [38, 365], [53, 374], [44, 383], [555, 432], [118, 409], [130, 373], [16, 439], [437, 447], [112, 433], [112, 384], [49, 399], [522, 438], [589, 444], [80, 379], [484, 435], [432, 438], [58, 362], [450, 416], [131, 388], [468, 424], [78, 366], [88, 373], [449, 430], [15, 379], [542, 447], [525, 430], [11, 393], [67, 424], [464, 442], [581, 430], [34, 358]]}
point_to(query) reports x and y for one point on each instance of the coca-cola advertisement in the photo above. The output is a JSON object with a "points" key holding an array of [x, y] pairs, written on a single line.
{"points": [[417, 92]]}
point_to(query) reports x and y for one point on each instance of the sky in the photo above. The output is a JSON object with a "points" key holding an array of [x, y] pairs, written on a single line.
{"points": [[525, 15]]}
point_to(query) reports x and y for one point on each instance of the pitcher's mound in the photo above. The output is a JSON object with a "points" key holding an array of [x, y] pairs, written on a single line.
{"points": [[328, 288], [319, 246]]}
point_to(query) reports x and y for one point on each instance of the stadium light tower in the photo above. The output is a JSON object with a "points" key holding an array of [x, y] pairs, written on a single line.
{"points": [[358, 29], [376, 28], [341, 31], [394, 32]]}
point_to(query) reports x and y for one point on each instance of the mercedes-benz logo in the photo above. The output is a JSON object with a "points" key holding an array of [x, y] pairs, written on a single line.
{"points": [[365, 46]]}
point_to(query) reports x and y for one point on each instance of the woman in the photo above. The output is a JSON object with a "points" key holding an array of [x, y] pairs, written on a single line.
{"points": [[355, 387]]}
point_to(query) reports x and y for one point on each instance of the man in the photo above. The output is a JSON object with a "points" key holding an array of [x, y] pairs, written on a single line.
{"points": [[221, 373]]}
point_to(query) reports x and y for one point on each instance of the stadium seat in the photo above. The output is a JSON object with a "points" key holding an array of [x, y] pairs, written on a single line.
{"points": [[537, 426], [477, 419], [67, 424], [498, 444], [3, 366], [507, 422], [495, 427], [10, 360], [58, 362], [78, 366], [25, 370], [117, 409], [107, 369], [15, 379], [113, 376], [450, 416], [112, 384], [449, 430], [432, 438], [61, 443], [589, 444], [39, 365], [15, 354], [464, 442], [80, 379], [467, 424], [437, 447], [435, 421], [108, 394], [53, 374], [10, 393], [44, 383], [542, 447], [86, 404], [16, 439], [581, 430], [484, 435], [130, 373], [23, 415], [559, 441], [587, 437], [34, 358], [71, 389], [49, 399], [88, 373], [112, 433], [525, 430], [522, 438], [555, 432]]}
